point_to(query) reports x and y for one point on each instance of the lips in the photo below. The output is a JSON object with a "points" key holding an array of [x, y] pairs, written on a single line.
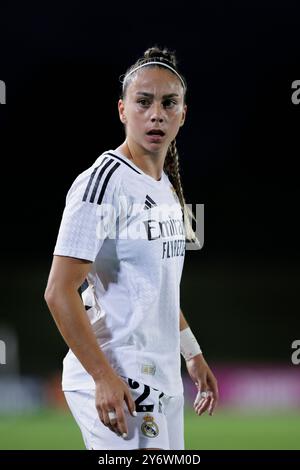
{"points": [[158, 132]]}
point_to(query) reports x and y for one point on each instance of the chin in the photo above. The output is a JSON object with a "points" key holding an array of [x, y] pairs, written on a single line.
{"points": [[156, 147]]}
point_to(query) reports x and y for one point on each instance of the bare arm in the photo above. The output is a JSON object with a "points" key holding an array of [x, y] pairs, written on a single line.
{"points": [[183, 324], [62, 297], [66, 276]]}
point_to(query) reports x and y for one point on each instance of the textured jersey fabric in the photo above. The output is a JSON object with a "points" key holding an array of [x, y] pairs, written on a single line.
{"points": [[130, 226]]}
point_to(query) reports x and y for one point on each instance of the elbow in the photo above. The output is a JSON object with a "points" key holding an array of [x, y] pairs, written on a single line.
{"points": [[53, 296], [50, 296]]}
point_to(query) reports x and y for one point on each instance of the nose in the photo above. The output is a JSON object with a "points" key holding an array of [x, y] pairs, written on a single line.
{"points": [[156, 113]]}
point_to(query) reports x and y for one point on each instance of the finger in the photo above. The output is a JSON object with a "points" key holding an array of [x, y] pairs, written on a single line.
{"points": [[213, 404], [130, 403], [110, 423], [114, 428], [105, 418], [213, 386], [203, 405], [200, 397], [202, 394], [206, 397], [200, 403], [113, 421], [199, 406], [212, 407], [122, 425], [215, 398], [201, 409]]}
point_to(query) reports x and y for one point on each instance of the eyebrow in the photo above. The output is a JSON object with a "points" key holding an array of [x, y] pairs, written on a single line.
{"points": [[150, 95]]}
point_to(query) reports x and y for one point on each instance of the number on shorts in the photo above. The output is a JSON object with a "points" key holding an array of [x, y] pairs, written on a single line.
{"points": [[140, 408]]}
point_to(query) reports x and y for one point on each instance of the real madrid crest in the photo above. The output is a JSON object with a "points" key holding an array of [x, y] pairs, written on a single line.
{"points": [[149, 427]]}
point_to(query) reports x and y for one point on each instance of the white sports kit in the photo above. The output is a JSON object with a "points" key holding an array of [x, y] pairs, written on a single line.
{"points": [[130, 226]]}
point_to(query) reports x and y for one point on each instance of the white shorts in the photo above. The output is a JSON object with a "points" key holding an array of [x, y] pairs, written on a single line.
{"points": [[158, 424]]}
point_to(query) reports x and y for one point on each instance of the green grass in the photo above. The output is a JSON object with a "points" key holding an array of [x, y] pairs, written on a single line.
{"points": [[50, 429], [232, 430], [46, 429]]}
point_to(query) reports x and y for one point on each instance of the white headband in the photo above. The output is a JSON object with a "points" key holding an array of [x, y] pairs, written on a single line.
{"points": [[159, 63]]}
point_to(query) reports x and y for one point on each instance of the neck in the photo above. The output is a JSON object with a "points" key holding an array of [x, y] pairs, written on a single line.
{"points": [[149, 163]]}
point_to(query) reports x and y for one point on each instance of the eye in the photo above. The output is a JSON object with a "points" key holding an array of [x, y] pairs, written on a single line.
{"points": [[169, 103], [144, 102]]}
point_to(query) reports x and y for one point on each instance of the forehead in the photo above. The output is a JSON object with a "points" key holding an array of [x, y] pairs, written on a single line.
{"points": [[155, 80]]}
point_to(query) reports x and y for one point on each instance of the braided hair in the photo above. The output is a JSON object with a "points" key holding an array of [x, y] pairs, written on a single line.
{"points": [[171, 164]]}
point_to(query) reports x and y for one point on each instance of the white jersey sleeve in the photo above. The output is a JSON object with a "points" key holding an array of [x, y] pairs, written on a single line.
{"points": [[91, 211]]}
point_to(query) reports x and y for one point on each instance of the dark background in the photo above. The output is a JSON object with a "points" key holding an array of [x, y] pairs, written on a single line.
{"points": [[239, 155]]}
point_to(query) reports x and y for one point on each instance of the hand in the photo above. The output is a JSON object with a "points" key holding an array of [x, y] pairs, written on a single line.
{"points": [[205, 381], [111, 392]]}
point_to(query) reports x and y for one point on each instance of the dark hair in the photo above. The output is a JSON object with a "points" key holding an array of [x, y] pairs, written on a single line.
{"points": [[159, 55], [171, 165]]}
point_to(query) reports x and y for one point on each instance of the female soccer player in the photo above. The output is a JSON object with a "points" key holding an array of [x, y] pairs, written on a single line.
{"points": [[121, 246]]}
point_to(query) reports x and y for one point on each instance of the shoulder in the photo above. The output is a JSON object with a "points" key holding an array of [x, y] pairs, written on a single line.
{"points": [[100, 181]]}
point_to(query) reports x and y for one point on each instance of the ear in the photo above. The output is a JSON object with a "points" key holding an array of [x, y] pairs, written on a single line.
{"points": [[121, 108], [183, 115]]}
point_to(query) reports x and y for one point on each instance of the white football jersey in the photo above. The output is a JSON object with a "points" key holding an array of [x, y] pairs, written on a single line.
{"points": [[130, 226]]}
